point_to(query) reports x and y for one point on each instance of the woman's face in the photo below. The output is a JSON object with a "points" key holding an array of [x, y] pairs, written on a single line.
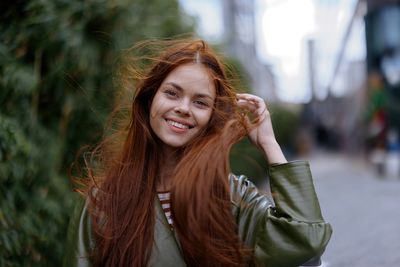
{"points": [[183, 105]]}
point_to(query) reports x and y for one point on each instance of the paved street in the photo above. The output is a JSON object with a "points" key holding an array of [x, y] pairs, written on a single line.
{"points": [[363, 210]]}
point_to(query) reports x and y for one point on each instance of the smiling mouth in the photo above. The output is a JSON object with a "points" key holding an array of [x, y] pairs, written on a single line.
{"points": [[179, 125]]}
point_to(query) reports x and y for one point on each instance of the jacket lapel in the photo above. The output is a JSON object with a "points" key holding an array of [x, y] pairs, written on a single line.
{"points": [[166, 250]]}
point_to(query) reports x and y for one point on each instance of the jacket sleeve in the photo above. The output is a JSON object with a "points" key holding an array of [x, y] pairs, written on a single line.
{"points": [[79, 238], [290, 232]]}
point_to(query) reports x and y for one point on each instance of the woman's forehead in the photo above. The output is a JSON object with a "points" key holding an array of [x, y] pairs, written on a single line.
{"points": [[192, 77]]}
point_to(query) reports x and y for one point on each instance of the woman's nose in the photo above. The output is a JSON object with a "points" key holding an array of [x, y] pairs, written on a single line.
{"points": [[183, 108]]}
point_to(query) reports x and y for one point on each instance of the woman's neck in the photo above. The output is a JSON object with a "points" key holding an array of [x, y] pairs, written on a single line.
{"points": [[169, 160]]}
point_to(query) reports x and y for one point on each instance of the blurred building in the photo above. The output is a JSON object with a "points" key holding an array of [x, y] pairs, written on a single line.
{"points": [[240, 39], [335, 118], [367, 109]]}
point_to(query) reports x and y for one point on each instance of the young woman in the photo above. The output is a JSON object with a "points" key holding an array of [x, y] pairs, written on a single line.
{"points": [[161, 192]]}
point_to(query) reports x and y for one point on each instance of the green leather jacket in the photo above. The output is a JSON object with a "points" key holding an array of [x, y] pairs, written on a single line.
{"points": [[290, 232]]}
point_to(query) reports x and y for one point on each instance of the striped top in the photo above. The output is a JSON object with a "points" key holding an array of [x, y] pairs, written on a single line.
{"points": [[165, 200]]}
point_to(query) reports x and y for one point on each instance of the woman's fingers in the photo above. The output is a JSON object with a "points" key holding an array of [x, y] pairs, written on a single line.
{"points": [[254, 104], [250, 106]]}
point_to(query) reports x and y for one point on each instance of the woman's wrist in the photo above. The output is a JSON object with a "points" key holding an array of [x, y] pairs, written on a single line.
{"points": [[272, 151]]}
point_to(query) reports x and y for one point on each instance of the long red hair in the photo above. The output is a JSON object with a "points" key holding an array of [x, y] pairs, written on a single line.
{"points": [[123, 173]]}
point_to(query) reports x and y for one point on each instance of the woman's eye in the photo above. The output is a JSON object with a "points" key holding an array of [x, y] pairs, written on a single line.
{"points": [[170, 93], [201, 103]]}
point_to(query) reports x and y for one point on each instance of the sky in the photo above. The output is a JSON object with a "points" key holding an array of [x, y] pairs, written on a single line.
{"points": [[283, 28]]}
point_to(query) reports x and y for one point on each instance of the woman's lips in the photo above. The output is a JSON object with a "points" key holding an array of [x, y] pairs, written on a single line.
{"points": [[177, 124], [178, 127]]}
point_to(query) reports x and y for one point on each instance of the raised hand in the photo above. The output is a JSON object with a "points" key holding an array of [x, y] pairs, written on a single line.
{"points": [[261, 131]]}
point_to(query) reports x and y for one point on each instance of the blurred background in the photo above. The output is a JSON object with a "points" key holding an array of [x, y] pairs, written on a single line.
{"points": [[328, 69]]}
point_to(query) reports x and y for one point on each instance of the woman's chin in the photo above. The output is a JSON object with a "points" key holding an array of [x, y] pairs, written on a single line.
{"points": [[174, 144]]}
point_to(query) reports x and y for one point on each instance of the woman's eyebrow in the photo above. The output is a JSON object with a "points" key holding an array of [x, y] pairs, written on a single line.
{"points": [[179, 88]]}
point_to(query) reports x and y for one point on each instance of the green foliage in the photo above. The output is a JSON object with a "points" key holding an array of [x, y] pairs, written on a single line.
{"points": [[34, 198], [57, 61], [286, 123], [246, 159]]}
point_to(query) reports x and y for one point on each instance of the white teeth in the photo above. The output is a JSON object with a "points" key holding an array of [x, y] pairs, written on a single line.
{"points": [[177, 124]]}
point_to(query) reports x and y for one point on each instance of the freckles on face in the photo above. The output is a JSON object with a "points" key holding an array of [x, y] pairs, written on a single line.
{"points": [[183, 105]]}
